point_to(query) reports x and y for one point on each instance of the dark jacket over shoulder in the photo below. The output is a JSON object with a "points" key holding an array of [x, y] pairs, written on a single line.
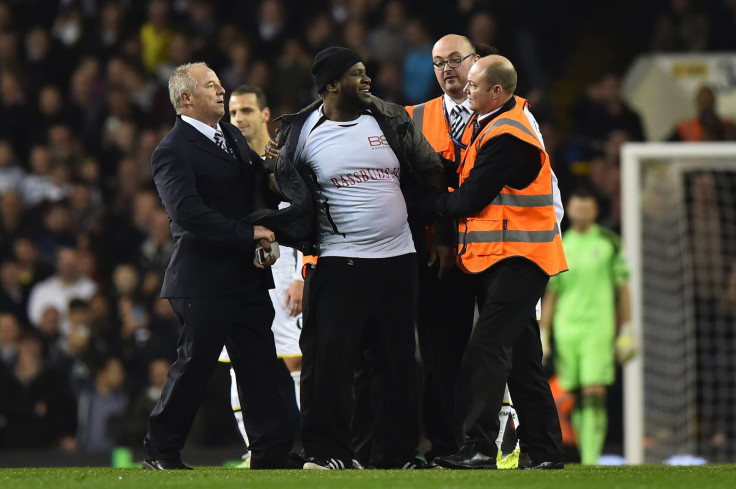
{"points": [[207, 195], [421, 170]]}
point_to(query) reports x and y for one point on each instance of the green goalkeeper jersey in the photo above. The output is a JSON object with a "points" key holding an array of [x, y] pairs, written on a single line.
{"points": [[587, 292]]}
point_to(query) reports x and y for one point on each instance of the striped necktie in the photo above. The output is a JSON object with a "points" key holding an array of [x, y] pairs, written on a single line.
{"points": [[457, 126], [220, 141]]}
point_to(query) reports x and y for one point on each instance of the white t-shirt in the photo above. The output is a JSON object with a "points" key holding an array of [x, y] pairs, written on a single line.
{"points": [[362, 212]]}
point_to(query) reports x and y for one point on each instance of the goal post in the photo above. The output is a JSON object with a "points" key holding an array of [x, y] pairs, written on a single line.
{"points": [[679, 236]]}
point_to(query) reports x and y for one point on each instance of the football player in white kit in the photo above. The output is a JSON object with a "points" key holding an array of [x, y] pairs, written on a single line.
{"points": [[250, 113]]}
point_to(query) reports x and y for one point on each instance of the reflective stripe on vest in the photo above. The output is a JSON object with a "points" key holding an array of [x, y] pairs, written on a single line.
{"points": [[509, 235], [418, 115]]}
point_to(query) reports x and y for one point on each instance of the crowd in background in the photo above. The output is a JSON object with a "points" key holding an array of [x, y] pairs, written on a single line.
{"points": [[84, 101]]}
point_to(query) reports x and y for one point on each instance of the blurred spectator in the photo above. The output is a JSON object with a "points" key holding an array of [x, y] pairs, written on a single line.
{"points": [[605, 176], [292, 77], [155, 36], [6, 16], [36, 409], [707, 125], [271, 26], [418, 73], [386, 83], [139, 341], [32, 270], [51, 110], [68, 27], [12, 219], [64, 147], [556, 145], [13, 296], [601, 109], [682, 27], [14, 111], [45, 62], [37, 186], [319, 33], [10, 332], [181, 50], [355, 37], [201, 24], [54, 231], [9, 60], [158, 246], [388, 41], [127, 223], [143, 403], [56, 291], [107, 36], [84, 213], [102, 409], [150, 99], [101, 322], [11, 173], [239, 57]]}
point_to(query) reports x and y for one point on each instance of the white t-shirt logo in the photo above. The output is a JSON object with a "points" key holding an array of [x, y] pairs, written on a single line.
{"points": [[378, 142]]}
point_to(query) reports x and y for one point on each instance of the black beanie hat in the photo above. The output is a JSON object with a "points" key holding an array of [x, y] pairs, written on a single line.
{"points": [[331, 63]]}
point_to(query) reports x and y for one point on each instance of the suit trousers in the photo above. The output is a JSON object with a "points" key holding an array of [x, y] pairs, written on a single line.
{"points": [[243, 324], [360, 309], [445, 316], [505, 346]]}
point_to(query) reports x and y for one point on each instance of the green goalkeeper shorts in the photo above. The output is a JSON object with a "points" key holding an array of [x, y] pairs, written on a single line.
{"points": [[584, 359]]}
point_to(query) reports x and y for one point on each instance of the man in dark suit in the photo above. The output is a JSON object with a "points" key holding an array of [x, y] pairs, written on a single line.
{"points": [[209, 180]]}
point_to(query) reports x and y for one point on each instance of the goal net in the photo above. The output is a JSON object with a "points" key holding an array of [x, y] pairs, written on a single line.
{"points": [[679, 232]]}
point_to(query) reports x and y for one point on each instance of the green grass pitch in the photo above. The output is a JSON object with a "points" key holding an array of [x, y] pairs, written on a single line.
{"points": [[573, 477]]}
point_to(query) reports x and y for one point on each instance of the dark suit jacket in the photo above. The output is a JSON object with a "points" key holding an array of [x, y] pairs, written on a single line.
{"points": [[207, 195]]}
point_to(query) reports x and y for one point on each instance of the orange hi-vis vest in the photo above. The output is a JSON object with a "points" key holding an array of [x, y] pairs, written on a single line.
{"points": [[692, 129], [430, 118], [517, 222]]}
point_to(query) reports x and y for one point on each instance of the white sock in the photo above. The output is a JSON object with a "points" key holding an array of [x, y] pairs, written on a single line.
{"points": [[297, 377]]}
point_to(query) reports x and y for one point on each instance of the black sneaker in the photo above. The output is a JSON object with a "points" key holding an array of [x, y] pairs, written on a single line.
{"points": [[415, 464], [328, 464]]}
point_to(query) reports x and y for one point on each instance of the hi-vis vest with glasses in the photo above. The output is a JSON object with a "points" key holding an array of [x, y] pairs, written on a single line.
{"points": [[430, 118], [517, 222]]}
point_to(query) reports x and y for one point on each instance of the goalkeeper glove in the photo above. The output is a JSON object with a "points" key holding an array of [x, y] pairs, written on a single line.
{"points": [[626, 346]]}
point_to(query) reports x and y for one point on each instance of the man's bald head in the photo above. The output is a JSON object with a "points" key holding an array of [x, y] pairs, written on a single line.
{"points": [[452, 80], [491, 83]]}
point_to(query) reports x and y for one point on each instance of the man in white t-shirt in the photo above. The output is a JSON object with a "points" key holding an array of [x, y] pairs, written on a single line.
{"points": [[56, 291], [363, 160]]}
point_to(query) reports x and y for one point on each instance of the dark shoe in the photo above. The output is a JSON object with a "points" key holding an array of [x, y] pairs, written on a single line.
{"points": [[524, 460], [163, 464], [327, 464], [415, 464], [467, 458], [543, 466]]}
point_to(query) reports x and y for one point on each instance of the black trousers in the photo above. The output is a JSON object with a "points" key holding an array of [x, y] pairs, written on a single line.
{"points": [[243, 323], [505, 346], [360, 309], [444, 322]]}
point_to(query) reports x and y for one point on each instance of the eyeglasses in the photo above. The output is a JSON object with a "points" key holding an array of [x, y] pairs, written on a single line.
{"points": [[452, 62]]}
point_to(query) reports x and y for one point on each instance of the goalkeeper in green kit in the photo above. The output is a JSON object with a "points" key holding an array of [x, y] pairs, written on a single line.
{"points": [[582, 308]]}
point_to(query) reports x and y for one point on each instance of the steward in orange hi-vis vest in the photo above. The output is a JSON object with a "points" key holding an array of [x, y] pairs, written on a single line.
{"points": [[517, 222], [431, 119]]}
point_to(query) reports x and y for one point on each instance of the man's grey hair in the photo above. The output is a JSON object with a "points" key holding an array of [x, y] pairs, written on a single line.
{"points": [[182, 81]]}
